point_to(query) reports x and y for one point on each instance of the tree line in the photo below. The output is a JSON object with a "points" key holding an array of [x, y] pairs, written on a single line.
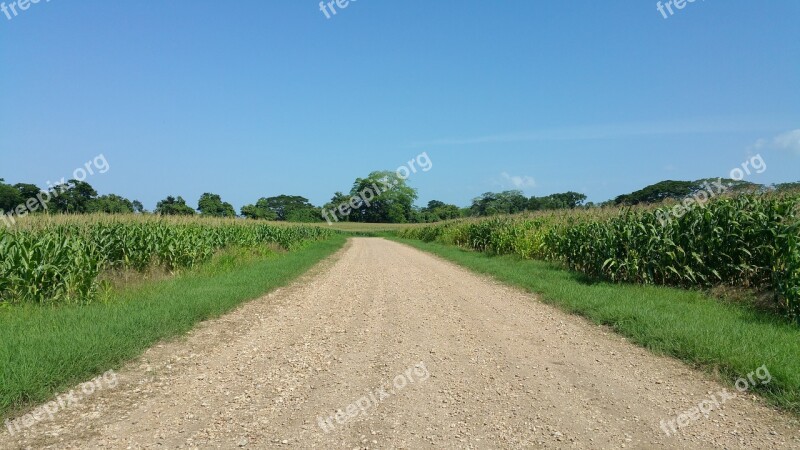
{"points": [[679, 190], [71, 197], [391, 200]]}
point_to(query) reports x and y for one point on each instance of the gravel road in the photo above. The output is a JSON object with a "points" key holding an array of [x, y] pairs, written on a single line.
{"points": [[384, 346]]}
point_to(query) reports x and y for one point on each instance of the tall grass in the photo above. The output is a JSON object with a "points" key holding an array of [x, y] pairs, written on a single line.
{"points": [[750, 240], [719, 337], [60, 260], [46, 350]]}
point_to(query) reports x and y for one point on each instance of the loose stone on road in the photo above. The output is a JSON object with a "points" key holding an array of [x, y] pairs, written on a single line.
{"points": [[443, 357]]}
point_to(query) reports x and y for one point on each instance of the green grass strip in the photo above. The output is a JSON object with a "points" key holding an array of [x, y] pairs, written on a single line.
{"points": [[717, 337], [45, 350]]}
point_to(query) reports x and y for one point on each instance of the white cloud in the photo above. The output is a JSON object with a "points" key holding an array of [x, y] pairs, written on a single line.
{"points": [[519, 182], [786, 141], [789, 141]]}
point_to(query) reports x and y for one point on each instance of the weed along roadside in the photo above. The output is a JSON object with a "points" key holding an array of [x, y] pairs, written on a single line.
{"points": [[747, 240], [48, 349], [718, 337], [223, 227]]}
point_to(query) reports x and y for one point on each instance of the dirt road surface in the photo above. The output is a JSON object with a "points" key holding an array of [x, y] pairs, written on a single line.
{"points": [[428, 354]]}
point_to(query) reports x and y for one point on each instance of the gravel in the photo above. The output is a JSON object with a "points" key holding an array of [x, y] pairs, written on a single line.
{"points": [[505, 371]]}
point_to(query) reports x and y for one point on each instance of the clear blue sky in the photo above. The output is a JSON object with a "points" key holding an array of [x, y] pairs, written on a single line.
{"points": [[255, 98]]}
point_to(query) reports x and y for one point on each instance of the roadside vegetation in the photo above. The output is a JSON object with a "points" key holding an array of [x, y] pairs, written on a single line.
{"points": [[51, 344], [81, 294], [745, 241], [387, 206], [715, 284], [61, 261], [729, 340], [90, 281]]}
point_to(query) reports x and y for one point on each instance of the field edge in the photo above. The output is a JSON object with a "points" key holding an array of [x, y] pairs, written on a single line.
{"points": [[664, 330], [49, 350]]}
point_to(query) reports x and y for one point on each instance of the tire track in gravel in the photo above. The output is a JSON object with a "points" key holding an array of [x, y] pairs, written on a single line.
{"points": [[503, 371]]}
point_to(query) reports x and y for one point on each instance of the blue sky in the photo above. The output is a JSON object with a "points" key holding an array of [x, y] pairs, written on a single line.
{"points": [[257, 98]]}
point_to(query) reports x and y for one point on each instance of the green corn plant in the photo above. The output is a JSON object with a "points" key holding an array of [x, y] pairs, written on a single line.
{"points": [[53, 262], [748, 240]]}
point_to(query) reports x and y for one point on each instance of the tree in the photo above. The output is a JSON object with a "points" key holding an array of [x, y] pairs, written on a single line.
{"points": [[259, 211], [656, 193], [787, 187], [491, 203], [10, 197], [447, 212], [566, 200], [570, 200], [27, 191], [437, 211], [338, 199], [138, 207], [485, 205], [110, 204], [382, 197], [213, 206], [72, 197], [433, 204], [289, 207], [731, 186], [172, 206], [305, 215], [679, 190]]}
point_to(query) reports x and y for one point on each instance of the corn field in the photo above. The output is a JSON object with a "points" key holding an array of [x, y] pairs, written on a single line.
{"points": [[60, 261], [749, 241]]}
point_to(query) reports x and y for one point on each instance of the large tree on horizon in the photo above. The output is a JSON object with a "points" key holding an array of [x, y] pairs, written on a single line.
{"points": [[392, 199], [72, 197], [174, 206], [10, 197], [111, 204], [506, 202], [290, 208], [437, 211], [211, 205], [259, 211]]}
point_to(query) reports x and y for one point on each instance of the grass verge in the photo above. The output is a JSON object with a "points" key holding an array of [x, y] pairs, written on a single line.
{"points": [[47, 349], [726, 339]]}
